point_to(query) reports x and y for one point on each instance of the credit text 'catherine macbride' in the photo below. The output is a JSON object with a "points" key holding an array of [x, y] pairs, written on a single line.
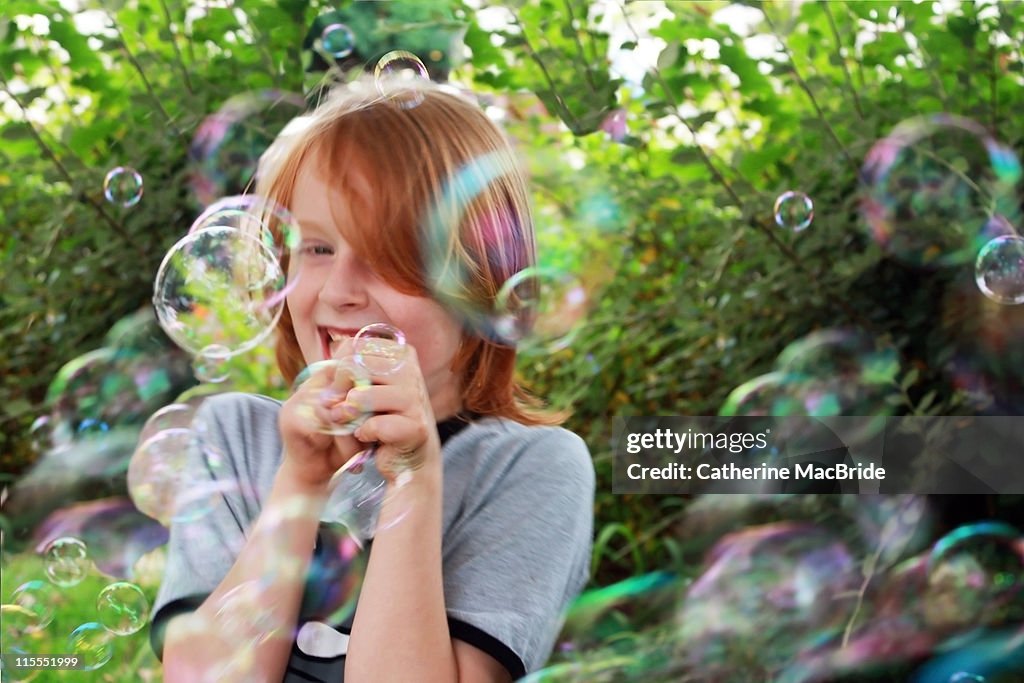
{"points": [[669, 440]]}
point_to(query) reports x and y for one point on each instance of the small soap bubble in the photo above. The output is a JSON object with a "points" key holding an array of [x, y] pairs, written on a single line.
{"points": [[219, 287], [931, 187], [397, 74], [229, 143], [380, 348], [210, 365], [39, 598], [175, 415], [999, 270], [93, 644], [67, 561], [19, 635], [123, 186], [793, 211], [338, 40], [122, 608], [245, 615]]}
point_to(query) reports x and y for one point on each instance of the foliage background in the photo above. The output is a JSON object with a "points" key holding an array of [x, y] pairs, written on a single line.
{"points": [[693, 289]]}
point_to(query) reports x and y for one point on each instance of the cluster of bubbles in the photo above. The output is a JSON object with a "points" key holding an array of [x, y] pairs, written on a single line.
{"points": [[941, 191], [796, 602], [122, 186], [121, 608]]}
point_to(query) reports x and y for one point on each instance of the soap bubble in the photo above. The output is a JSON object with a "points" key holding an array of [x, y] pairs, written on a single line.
{"points": [[999, 270], [976, 576], [39, 598], [338, 40], [49, 434], [228, 144], [258, 217], [322, 377], [175, 415], [158, 472], [122, 608], [395, 72], [932, 185], [539, 309], [793, 211], [67, 561], [766, 593], [93, 644], [380, 348], [219, 286], [123, 186], [210, 365]]}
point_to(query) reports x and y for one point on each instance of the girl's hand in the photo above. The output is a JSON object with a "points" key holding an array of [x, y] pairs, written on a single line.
{"points": [[402, 423], [309, 454]]}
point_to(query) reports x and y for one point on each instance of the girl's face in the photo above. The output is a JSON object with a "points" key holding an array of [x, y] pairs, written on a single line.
{"points": [[337, 294]]}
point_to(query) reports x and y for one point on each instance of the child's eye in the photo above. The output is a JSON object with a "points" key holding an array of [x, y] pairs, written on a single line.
{"points": [[317, 250]]}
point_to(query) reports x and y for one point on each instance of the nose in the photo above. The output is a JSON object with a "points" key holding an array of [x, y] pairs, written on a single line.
{"points": [[344, 287]]}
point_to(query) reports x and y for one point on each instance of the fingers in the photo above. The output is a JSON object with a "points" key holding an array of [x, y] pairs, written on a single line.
{"points": [[398, 435]]}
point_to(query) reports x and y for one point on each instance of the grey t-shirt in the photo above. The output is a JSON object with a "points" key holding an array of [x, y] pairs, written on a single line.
{"points": [[517, 531]]}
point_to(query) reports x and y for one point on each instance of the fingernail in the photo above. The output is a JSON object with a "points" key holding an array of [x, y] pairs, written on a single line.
{"points": [[357, 397], [343, 412]]}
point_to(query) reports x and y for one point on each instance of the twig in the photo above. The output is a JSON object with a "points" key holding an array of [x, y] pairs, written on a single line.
{"points": [[145, 81], [810, 95], [842, 60], [566, 114], [579, 45], [177, 51]]}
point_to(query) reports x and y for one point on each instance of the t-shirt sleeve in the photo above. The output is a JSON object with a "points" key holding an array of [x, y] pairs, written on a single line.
{"points": [[520, 550], [209, 531]]}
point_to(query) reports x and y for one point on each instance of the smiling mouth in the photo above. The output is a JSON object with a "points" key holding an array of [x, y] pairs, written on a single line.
{"points": [[332, 337]]}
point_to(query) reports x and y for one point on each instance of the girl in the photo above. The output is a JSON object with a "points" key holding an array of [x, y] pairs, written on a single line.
{"points": [[411, 214]]}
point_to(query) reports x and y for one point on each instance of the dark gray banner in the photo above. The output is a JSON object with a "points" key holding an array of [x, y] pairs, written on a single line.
{"points": [[926, 455]]}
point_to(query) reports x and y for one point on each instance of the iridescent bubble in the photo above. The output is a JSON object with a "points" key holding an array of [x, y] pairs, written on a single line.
{"points": [[999, 270], [48, 434], [397, 74], [975, 577], [257, 217], [327, 383], [158, 470], [931, 187], [540, 309], [219, 286], [228, 144], [210, 365], [770, 394], [766, 593], [39, 598], [334, 578], [793, 211], [122, 608], [173, 416], [123, 186], [93, 644], [380, 348], [110, 387], [67, 561], [338, 40]]}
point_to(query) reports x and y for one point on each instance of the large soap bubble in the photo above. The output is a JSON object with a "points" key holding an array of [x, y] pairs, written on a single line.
{"points": [[219, 286], [933, 184]]}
